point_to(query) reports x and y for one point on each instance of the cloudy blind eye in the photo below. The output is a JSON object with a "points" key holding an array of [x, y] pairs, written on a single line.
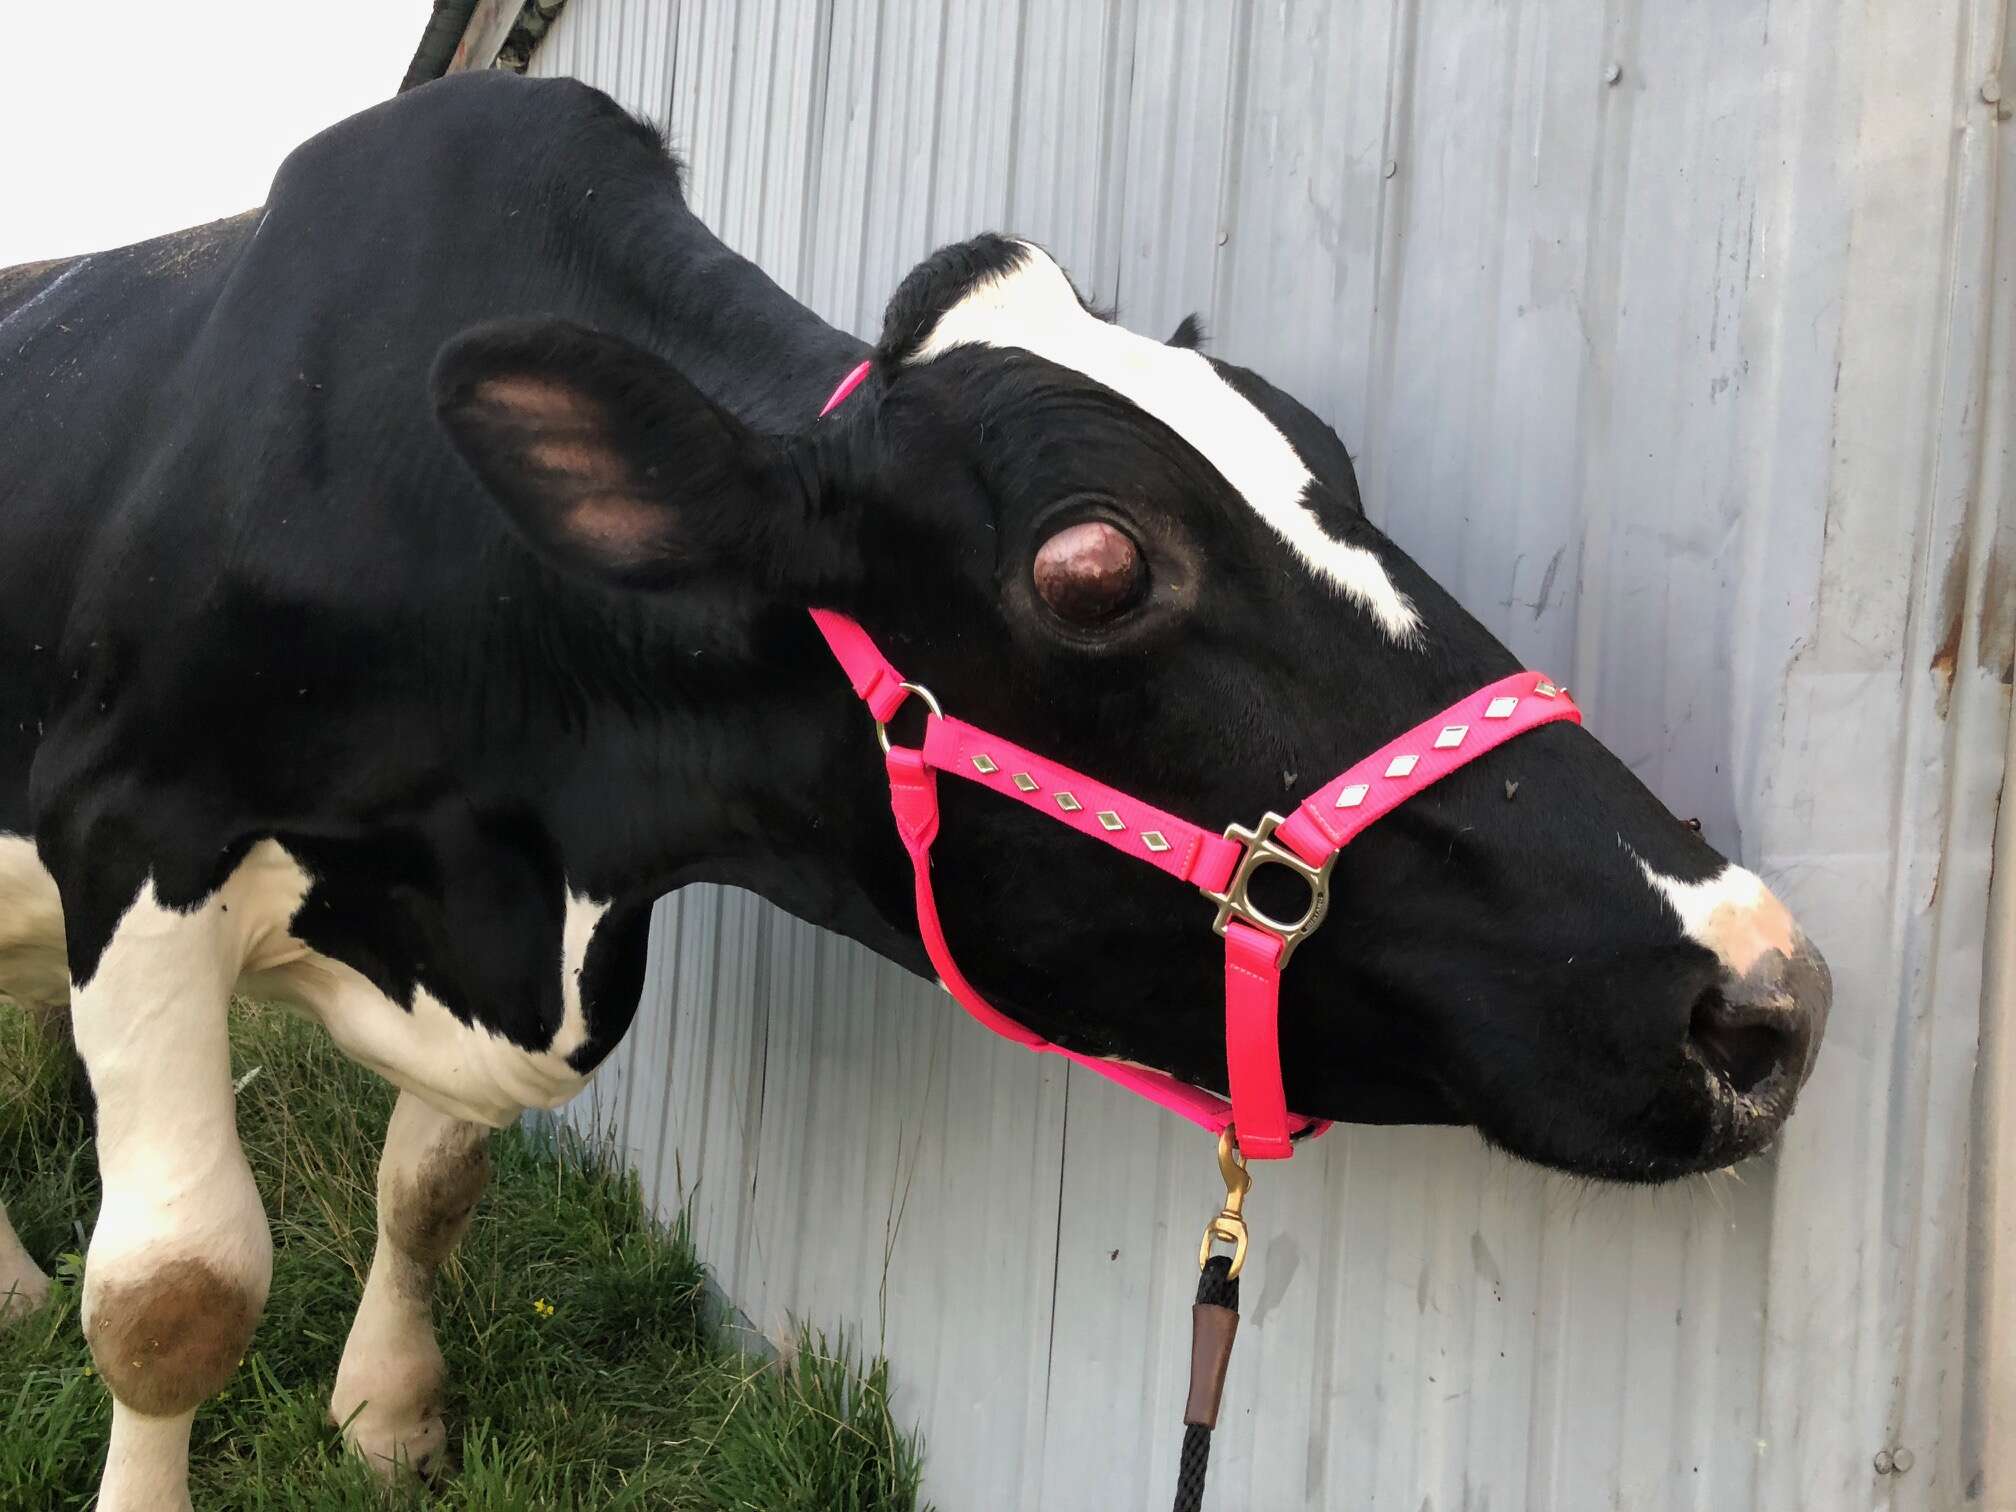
{"points": [[1090, 572]]}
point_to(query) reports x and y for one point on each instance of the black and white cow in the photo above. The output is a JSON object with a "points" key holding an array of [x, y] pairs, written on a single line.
{"points": [[292, 707]]}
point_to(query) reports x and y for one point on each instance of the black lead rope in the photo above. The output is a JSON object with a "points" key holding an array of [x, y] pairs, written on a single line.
{"points": [[1214, 1323], [1214, 1320]]}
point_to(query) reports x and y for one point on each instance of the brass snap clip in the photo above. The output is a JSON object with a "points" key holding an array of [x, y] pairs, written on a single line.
{"points": [[1229, 1226]]}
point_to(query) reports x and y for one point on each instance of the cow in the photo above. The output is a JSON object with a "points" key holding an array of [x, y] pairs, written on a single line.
{"points": [[405, 585]]}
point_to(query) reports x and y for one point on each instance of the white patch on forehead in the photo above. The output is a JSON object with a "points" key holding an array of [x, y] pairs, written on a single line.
{"points": [[1731, 913], [1033, 306]]}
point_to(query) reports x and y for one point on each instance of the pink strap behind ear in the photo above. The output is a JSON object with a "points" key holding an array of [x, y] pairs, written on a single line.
{"points": [[847, 386], [874, 681]]}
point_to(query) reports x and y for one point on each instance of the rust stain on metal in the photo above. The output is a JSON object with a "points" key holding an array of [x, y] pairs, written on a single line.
{"points": [[1995, 644], [1952, 614], [1996, 654]]}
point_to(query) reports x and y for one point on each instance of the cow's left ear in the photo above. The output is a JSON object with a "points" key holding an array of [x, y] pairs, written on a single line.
{"points": [[613, 466]]}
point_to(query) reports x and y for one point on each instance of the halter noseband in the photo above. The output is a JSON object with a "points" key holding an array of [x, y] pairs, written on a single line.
{"points": [[1221, 866]]}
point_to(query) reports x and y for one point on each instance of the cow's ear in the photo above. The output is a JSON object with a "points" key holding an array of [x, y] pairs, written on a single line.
{"points": [[613, 466]]}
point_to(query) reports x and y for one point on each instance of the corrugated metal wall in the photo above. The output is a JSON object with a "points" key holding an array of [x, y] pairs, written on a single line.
{"points": [[1676, 339]]}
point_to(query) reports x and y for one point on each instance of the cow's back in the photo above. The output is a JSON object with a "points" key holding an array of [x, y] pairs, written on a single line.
{"points": [[225, 511], [90, 353]]}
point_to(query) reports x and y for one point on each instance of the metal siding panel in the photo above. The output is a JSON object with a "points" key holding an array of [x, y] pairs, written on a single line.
{"points": [[1680, 384], [1188, 60], [1074, 62]]}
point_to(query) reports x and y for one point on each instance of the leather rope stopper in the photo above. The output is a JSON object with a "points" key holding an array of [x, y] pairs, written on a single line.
{"points": [[1212, 1330], [1214, 1323]]}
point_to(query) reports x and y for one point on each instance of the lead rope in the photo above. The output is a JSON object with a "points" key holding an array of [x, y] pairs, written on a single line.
{"points": [[1214, 1323]]}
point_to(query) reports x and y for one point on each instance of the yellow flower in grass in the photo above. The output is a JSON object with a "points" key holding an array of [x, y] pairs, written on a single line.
{"points": [[542, 1307]]}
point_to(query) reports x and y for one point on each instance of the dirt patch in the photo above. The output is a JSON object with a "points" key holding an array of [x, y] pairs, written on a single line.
{"points": [[169, 1341], [16, 282], [181, 253], [1952, 612], [427, 1215]]}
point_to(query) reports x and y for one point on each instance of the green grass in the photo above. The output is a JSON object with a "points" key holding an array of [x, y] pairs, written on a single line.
{"points": [[620, 1398]]}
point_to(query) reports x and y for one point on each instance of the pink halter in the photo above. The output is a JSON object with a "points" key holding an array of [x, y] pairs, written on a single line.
{"points": [[1221, 866]]}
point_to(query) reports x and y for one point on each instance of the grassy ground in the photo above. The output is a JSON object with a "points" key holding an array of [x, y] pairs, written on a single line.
{"points": [[581, 1371]]}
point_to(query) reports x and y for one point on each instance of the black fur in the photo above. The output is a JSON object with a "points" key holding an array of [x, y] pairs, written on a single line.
{"points": [[251, 589]]}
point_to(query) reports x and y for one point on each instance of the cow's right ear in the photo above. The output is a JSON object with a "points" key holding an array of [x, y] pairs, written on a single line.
{"points": [[610, 464]]}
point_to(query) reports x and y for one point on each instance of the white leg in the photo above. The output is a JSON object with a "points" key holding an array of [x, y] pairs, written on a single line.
{"points": [[22, 1284], [180, 1259], [148, 1462], [388, 1388]]}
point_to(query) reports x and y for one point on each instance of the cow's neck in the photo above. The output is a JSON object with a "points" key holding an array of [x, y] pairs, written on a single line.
{"points": [[738, 337], [761, 772], [755, 765]]}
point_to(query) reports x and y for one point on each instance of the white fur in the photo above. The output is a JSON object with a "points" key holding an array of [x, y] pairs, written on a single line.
{"points": [[388, 1391], [32, 969], [151, 1026], [146, 1463], [1731, 913], [584, 917], [32, 963], [463, 1070], [22, 1283], [1034, 307]]}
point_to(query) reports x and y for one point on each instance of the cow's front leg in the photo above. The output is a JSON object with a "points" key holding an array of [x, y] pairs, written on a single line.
{"points": [[389, 1386], [180, 1259]]}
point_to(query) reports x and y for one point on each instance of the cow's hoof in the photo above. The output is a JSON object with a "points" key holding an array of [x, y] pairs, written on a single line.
{"points": [[22, 1293], [393, 1444]]}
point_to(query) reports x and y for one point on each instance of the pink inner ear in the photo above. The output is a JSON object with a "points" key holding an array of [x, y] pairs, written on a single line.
{"points": [[564, 432], [1089, 571], [615, 523], [535, 401]]}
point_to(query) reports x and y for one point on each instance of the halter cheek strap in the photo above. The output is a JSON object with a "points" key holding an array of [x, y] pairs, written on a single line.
{"points": [[1221, 866]]}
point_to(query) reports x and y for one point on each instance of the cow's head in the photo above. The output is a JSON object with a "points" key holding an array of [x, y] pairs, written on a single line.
{"points": [[1153, 566]]}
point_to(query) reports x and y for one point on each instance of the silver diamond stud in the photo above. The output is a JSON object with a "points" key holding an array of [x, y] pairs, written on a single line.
{"points": [[1401, 766], [1108, 820], [1024, 782], [1353, 795], [1069, 804], [1544, 689], [1154, 841], [984, 765], [1500, 708], [1451, 737]]}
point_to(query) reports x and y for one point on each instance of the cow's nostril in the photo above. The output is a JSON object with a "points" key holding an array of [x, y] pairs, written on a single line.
{"points": [[1746, 1046]]}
